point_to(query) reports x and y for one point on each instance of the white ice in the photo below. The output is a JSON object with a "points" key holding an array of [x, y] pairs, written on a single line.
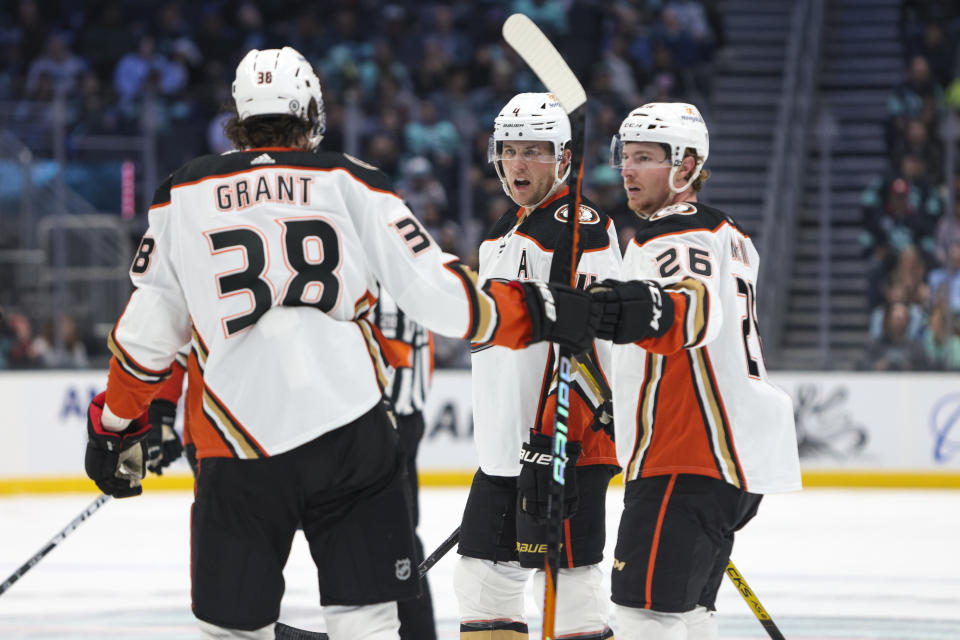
{"points": [[830, 564]]}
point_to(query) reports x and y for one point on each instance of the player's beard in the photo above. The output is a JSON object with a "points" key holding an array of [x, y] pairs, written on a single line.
{"points": [[645, 204], [537, 190]]}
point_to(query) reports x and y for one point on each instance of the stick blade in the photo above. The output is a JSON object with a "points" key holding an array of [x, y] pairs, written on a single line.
{"points": [[538, 52]]}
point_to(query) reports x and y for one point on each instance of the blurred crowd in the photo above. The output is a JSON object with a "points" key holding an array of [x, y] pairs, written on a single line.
{"points": [[412, 87], [911, 216]]}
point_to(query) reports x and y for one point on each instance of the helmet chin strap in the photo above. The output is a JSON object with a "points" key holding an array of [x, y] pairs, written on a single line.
{"points": [[557, 183], [673, 174]]}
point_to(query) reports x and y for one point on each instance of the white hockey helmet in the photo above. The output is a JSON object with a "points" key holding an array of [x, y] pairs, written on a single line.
{"points": [[278, 82], [676, 124], [531, 116]]}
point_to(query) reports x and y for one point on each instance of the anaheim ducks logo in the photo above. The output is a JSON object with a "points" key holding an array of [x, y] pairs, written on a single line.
{"points": [[587, 215], [679, 209]]}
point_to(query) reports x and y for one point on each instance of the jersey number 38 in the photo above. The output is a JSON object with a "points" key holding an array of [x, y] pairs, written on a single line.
{"points": [[311, 251]]}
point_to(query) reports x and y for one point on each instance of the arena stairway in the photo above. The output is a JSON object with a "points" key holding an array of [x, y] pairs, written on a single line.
{"points": [[861, 64], [747, 85]]}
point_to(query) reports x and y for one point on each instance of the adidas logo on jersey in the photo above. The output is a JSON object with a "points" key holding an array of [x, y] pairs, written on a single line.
{"points": [[263, 158]]}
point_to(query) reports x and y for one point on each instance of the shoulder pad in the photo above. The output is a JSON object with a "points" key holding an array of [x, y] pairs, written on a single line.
{"points": [[682, 217], [161, 195], [210, 166], [504, 224], [547, 223]]}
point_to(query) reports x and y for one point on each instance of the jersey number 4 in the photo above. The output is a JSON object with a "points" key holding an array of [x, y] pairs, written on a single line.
{"points": [[311, 250]]}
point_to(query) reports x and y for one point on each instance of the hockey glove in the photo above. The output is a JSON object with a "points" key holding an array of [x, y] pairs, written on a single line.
{"points": [[561, 314], [163, 443], [603, 419], [115, 459], [631, 311], [536, 476]]}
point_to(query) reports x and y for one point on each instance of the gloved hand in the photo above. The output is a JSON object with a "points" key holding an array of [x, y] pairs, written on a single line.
{"points": [[536, 476], [561, 314], [115, 459], [603, 419], [163, 443], [631, 311]]}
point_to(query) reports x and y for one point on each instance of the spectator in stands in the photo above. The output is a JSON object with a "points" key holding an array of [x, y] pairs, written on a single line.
{"points": [[941, 344], [898, 294], [104, 38], [444, 38], [420, 188], [948, 232], [30, 28], [937, 50], [622, 74], [115, 58], [917, 93], [916, 141], [134, 69], [94, 116], [62, 65], [550, 15], [16, 342], [890, 227], [895, 350], [692, 16], [68, 352], [944, 281]]}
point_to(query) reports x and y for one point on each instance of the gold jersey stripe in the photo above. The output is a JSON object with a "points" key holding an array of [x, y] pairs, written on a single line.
{"points": [[716, 417], [380, 367], [223, 419], [697, 310], [646, 410]]}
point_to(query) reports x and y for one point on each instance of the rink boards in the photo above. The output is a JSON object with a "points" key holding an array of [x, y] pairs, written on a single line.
{"points": [[853, 429]]}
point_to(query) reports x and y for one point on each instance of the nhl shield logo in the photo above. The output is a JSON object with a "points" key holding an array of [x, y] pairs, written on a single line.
{"points": [[402, 568]]}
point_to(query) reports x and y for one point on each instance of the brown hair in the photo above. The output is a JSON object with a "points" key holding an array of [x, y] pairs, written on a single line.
{"points": [[704, 173], [690, 152], [270, 130]]}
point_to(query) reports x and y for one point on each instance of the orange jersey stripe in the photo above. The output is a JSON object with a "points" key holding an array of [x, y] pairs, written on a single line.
{"points": [[652, 562], [172, 387], [127, 396], [681, 441]]}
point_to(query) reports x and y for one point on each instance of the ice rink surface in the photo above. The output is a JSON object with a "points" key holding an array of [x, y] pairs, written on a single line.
{"points": [[831, 564]]}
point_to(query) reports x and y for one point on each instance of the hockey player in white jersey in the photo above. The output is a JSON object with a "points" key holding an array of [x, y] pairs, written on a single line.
{"points": [[701, 433], [502, 535], [267, 259]]}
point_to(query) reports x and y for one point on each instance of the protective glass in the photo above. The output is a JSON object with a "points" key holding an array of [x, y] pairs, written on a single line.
{"points": [[635, 157], [496, 152]]}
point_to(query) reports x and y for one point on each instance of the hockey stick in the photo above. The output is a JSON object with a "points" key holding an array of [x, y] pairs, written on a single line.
{"points": [[543, 58], [57, 539], [441, 551], [754, 602]]}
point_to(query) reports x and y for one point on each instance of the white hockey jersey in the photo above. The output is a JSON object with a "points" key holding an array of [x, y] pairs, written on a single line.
{"points": [[268, 260], [697, 400], [514, 391]]}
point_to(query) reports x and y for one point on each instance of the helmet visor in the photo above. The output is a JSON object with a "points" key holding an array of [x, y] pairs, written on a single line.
{"points": [[543, 152], [637, 155]]}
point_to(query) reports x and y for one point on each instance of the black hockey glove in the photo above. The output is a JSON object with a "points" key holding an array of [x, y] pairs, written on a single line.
{"points": [[536, 476], [115, 460], [163, 443], [631, 311], [561, 314]]}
